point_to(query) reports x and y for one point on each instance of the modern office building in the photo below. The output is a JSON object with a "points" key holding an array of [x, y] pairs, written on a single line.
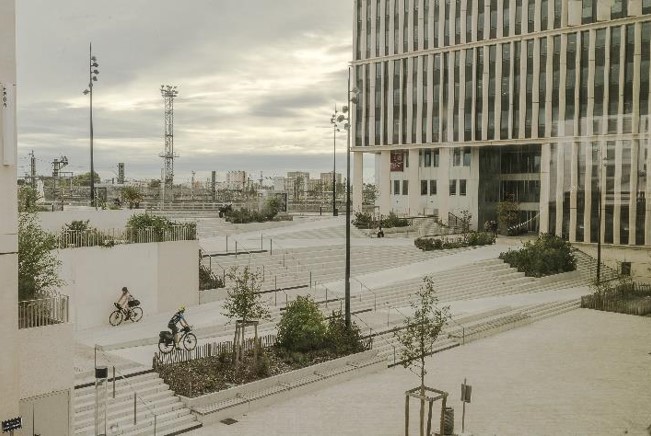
{"points": [[467, 102]]}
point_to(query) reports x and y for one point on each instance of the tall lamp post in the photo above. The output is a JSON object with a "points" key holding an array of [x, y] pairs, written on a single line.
{"points": [[604, 163], [92, 77], [334, 120], [345, 117]]}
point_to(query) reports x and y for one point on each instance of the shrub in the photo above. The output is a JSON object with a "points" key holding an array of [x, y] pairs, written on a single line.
{"points": [[208, 279], [480, 238], [302, 326], [341, 340], [547, 255], [363, 220], [472, 239], [392, 220], [158, 225]]}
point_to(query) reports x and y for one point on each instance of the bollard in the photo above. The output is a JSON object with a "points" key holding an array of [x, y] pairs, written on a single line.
{"points": [[135, 419], [113, 381], [310, 279], [276, 298], [276, 282], [227, 243], [271, 247], [261, 242], [235, 248]]}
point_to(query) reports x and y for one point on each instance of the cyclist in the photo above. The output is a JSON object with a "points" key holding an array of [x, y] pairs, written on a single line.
{"points": [[178, 318], [124, 299]]}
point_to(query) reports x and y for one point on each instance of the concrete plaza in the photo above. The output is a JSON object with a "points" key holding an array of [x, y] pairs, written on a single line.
{"points": [[580, 373]]}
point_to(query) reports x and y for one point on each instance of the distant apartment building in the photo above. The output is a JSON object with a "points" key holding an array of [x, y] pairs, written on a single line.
{"points": [[236, 180], [465, 103], [326, 178]]}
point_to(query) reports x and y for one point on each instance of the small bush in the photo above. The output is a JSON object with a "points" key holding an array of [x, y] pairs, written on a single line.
{"points": [[547, 255], [392, 220], [363, 220], [302, 326], [343, 341], [208, 279], [472, 239]]}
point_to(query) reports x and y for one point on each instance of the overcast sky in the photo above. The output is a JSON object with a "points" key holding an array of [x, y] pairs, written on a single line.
{"points": [[258, 80]]}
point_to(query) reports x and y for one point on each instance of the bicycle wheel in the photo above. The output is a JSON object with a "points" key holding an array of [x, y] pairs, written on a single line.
{"points": [[166, 347], [189, 341], [116, 317], [136, 314]]}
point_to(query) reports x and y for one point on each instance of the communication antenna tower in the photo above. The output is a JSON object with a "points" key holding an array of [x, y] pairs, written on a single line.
{"points": [[169, 93]]}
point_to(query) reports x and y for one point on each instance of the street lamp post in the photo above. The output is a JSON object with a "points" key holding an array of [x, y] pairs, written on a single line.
{"points": [[345, 118], [334, 120], [604, 162], [92, 77]]}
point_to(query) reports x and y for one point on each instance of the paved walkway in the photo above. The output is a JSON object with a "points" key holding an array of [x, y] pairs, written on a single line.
{"points": [[581, 373]]}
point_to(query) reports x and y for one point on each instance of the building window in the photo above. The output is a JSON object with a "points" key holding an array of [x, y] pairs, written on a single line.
{"points": [[396, 187], [405, 187], [453, 187], [493, 19], [423, 187], [456, 157], [435, 157], [432, 187], [646, 7], [467, 156], [428, 158], [625, 269], [462, 187]]}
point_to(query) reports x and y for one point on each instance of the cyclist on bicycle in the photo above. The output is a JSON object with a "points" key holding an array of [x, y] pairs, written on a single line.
{"points": [[172, 325], [124, 299]]}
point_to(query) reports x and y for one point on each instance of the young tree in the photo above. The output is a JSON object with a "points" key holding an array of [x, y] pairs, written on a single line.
{"points": [[507, 213], [27, 198], [465, 216], [244, 304], [37, 264], [132, 196], [419, 334]]}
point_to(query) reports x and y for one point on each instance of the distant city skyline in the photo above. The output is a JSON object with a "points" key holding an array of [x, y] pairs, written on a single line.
{"points": [[257, 84]]}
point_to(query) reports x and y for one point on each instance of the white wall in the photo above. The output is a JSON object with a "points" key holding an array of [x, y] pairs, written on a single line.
{"points": [[613, 256], [100, 219], [46, 359], [161, 275], [9, 380]]}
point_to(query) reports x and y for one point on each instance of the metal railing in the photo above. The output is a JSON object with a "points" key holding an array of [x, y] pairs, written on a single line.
{"points": [[363, 287], [43, 311], [95, 237], [137, 399]]}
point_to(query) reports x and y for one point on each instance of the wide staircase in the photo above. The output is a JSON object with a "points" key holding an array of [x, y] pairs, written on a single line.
{"points": [[587, 267], [157, 410]]}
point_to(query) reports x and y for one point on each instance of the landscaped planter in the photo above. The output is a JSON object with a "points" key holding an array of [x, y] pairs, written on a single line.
{"points": [[238, 399]]}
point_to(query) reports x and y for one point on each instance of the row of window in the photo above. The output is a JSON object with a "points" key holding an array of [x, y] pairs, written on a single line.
{"points": [[425, 24], [429, 187], [509, 90]]}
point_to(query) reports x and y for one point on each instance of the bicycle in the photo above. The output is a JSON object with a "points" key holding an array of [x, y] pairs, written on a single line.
{"points": [[133, 313], [166, 340]]}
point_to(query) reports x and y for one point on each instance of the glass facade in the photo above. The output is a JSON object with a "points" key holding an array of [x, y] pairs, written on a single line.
{"points": [[566, 76]]}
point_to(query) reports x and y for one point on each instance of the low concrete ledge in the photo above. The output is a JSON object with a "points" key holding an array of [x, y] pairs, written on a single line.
{"points": [[211, 408]]}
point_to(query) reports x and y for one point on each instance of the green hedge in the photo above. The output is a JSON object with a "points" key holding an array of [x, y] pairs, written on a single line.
{"points": [[547, 255], [366, 221], [471, 239]]}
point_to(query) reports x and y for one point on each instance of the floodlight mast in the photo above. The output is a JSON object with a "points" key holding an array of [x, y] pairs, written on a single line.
{"points": [[168, 92]]}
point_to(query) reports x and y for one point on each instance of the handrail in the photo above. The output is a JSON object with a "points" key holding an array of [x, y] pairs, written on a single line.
{"points": [[136, 397], [377, 335], [524, 223], [363, 286]]}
